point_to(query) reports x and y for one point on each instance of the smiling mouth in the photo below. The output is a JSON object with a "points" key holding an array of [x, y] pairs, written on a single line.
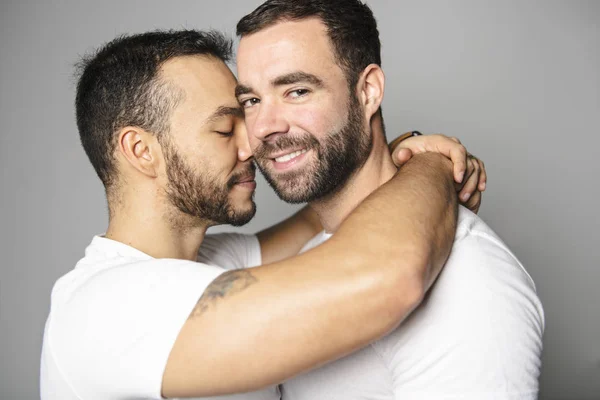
{"points": [[290, 156]]}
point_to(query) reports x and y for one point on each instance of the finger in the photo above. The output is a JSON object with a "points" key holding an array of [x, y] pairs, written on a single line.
{"points": [[401, 156], [482, 177], [396, 142], [468, 173], [458, 155], [455, 139], [472, 180], [474, 202]]}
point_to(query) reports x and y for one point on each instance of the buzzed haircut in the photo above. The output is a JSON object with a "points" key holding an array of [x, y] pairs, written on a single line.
{"points": [[119, 85], [350, 24]]}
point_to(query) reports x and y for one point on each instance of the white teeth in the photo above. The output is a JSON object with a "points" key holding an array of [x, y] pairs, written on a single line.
{"points": [[290, 156]]}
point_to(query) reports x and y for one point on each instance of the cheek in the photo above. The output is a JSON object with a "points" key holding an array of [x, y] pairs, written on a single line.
{"points": [[318, 120], [218, 158], [254, 143]]}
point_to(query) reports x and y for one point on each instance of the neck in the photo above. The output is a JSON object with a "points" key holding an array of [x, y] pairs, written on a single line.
{"points": [[377, 170], [153, 226]]}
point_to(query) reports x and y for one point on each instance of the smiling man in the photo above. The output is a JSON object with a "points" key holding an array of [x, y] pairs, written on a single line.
{"points": [[311, 84], [142, 316]]}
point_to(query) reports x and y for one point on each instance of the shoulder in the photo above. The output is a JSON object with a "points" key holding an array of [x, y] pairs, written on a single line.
{"points": [[479, 252], [481, 324], [92, 280], [99, 293], [114, 319]]}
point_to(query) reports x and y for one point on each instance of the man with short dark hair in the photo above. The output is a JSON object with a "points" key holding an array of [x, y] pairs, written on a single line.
{"points": [[141, 315], [311, 84]]}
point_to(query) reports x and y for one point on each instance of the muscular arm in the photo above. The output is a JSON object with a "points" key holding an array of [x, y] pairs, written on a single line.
{"points": [[257, 327], [287, 238]]}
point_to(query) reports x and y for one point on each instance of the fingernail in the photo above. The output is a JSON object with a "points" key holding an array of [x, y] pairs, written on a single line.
{"points": [[466, 196], [461, 175], [483, 187]]}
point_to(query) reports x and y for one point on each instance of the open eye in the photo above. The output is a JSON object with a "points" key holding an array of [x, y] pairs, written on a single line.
{"points": [[296, 93], [249, 102]]}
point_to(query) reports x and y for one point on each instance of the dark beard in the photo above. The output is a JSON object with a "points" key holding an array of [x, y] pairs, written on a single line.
{"points": [[342, 153], [201, 197]]}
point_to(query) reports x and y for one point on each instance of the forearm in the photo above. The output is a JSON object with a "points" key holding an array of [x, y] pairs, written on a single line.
{"points": [[297, 314], [416, 211], [287, 238], [365, 280]]}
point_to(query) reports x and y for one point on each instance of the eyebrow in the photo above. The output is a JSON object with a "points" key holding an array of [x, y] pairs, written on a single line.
{"points": [[224, 111], [242, 89], [287, 79], [296, 77]]}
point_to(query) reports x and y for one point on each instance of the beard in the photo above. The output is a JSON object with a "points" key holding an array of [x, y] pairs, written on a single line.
{"points": [[201, 196], [341, 154]]}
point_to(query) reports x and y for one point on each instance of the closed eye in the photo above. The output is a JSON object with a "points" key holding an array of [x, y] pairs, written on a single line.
{"points": [[225, 134]]}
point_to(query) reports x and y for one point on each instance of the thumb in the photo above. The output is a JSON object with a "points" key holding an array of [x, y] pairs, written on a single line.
{"points": [[401, 156]]}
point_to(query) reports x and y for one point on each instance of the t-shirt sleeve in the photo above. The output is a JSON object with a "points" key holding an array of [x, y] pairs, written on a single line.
{"points": [[230, 250], [112, 332], [478, 333]]}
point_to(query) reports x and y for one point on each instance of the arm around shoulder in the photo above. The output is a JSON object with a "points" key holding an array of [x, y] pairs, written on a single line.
{"points": [[257, 327]]}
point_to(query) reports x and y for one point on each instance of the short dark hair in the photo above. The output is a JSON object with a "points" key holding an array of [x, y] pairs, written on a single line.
{"points": [[350, 24], [119, 85]]}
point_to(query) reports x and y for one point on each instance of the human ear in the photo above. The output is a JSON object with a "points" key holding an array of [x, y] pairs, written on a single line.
{"points": [[371, 85], [139, 147]]}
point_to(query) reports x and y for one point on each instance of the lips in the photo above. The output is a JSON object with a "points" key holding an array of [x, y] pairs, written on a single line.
{"points": [[289, 156], [245, 179]]}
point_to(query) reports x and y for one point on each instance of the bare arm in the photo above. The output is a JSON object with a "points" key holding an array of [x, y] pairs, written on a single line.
{"points": [[256, 327], [287, 238]]}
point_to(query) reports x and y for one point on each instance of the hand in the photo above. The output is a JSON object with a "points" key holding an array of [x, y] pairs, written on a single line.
{"points": [[469, 172]]}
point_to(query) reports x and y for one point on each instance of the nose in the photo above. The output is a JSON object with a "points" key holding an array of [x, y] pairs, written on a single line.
{"points": [[244, 151], [268, 122]]}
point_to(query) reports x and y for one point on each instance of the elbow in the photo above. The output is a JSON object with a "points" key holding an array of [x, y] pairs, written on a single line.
{"points": [[410, 293], [405, 291]]}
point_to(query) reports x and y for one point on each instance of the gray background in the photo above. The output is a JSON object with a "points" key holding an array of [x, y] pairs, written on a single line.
{"points": [[517, 81]]}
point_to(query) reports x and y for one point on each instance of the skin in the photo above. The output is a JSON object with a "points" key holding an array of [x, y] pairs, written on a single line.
{"points": [[198, 127], [291, 86], [346, 285], [274, 110], [315, 104], [327, 292]]}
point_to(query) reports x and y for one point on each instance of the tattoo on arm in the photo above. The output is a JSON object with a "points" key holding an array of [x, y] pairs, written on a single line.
{"points": [[226, 284]]}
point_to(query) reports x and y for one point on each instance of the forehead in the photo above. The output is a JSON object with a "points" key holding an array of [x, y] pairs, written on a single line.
{"points": [[286, 47], [206, 81]]}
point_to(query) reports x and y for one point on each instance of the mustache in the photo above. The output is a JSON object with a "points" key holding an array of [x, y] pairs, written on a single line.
{"points": [[265, 149], [250, 169]]}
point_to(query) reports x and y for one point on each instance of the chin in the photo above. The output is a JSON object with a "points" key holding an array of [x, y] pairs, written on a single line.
{"points": [[241, 215], [293, 190]]}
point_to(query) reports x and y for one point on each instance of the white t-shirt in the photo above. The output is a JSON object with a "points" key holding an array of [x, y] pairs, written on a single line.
{"points": [[477, 335], [115, 317]]}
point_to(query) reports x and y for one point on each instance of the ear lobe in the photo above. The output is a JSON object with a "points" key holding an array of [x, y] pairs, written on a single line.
{"points": [[372, 86], [135, 145]]}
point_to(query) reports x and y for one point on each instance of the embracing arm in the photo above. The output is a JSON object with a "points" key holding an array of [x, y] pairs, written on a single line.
{"points": [[287, 238], [257, 327]]}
